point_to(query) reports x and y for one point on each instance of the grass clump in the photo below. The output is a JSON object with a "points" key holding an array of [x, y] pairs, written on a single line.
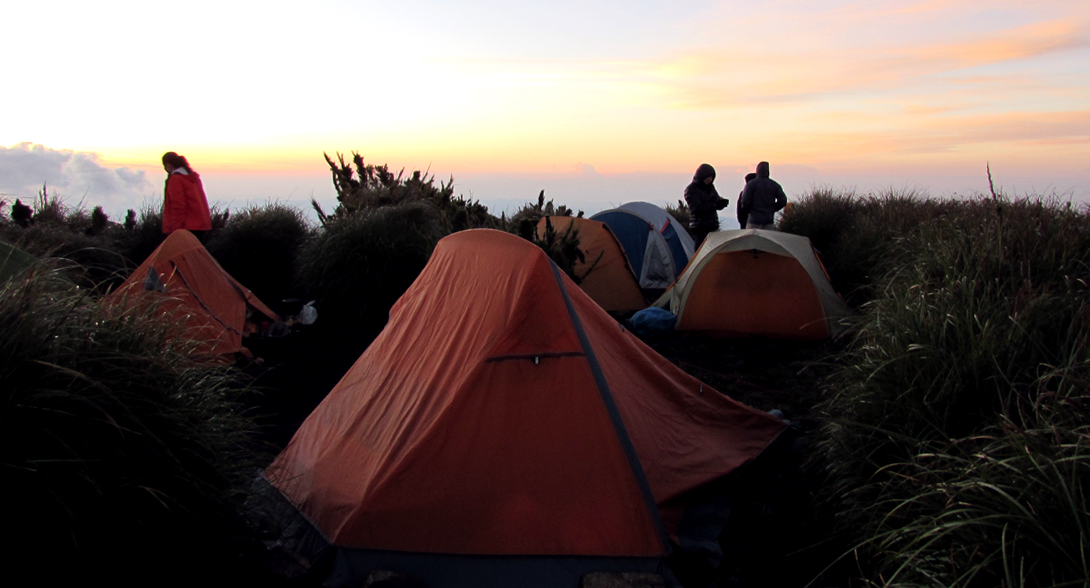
{"points": [[958, 409], [681, 214], [51, 228], [258, 247], [121, 456]]}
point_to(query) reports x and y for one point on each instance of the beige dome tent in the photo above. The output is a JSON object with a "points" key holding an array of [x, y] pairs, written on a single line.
{"points": [[755, 282]]}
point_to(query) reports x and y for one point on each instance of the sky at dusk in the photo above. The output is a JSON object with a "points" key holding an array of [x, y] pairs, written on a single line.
{"points": [[596, 102]]}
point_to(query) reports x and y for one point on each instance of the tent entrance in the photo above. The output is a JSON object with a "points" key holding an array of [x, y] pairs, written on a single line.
{"points": [[752, 292]]}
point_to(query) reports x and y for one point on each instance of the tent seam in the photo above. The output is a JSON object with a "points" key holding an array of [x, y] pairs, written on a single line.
{"points": [[178, 272], [614, 414]]}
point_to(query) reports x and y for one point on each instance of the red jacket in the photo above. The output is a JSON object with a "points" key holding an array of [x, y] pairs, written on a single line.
{"points": [[184, 204]]}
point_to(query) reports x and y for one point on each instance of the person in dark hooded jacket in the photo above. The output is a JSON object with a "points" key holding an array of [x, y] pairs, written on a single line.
{"points": [[761, 199], [743, 218], [703, 201]]}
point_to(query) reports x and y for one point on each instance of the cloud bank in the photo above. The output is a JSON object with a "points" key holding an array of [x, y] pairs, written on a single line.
{"points": [[73, 175]]}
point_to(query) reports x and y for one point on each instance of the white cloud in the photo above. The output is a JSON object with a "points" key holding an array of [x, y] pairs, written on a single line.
{"points": [[75, 176], [586, 169]]}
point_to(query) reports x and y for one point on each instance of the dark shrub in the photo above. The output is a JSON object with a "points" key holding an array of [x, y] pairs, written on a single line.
{"points": [[258, 246], [561, 246], [524, 221], [358, 265], [21, 213], [142, 233], [57, 230], [99, 221], [122, 460], [104, 253], [681, 213], [362, 185]]}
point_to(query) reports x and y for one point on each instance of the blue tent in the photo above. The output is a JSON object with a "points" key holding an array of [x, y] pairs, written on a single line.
{"points": [[657, 246]]}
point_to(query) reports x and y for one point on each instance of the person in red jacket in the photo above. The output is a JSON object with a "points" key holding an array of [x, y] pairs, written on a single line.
{"points": [[184, 203]]}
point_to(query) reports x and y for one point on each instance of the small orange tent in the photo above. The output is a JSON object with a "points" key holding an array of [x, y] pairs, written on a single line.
{"points": [[755, 282], [609, 281], [185, 281], [503, 430]]}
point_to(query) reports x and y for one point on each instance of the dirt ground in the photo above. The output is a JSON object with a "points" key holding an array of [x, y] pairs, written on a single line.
{"points": [[773, 536], [766, 374]]}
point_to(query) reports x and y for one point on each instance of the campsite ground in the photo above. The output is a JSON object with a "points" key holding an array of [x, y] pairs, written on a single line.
{"points": [[773, 536], [766, 374]]}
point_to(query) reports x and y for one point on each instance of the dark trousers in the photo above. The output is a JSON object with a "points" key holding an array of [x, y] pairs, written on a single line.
{"points": [[698, 234]]}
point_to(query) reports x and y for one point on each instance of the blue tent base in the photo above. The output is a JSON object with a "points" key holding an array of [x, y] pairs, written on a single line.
{"points": [[353, 566]]}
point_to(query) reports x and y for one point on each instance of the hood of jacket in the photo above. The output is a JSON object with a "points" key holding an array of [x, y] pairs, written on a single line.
{"points": [[189, 178], [703, 172], [762, 169]]}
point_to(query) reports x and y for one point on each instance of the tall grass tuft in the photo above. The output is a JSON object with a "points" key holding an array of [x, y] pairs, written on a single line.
{"points": [[51, 208], [959, 408], [258, 247], [858, 236], [122, 459], [1006, 507]]}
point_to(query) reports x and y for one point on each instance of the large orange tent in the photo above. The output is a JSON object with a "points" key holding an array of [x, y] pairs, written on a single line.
{"points": [[606, 275], [181, 278], [503, 430], [756, 282]]}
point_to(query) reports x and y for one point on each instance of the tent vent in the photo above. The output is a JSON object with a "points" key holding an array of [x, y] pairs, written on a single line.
{"points": [[153, 282]]}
